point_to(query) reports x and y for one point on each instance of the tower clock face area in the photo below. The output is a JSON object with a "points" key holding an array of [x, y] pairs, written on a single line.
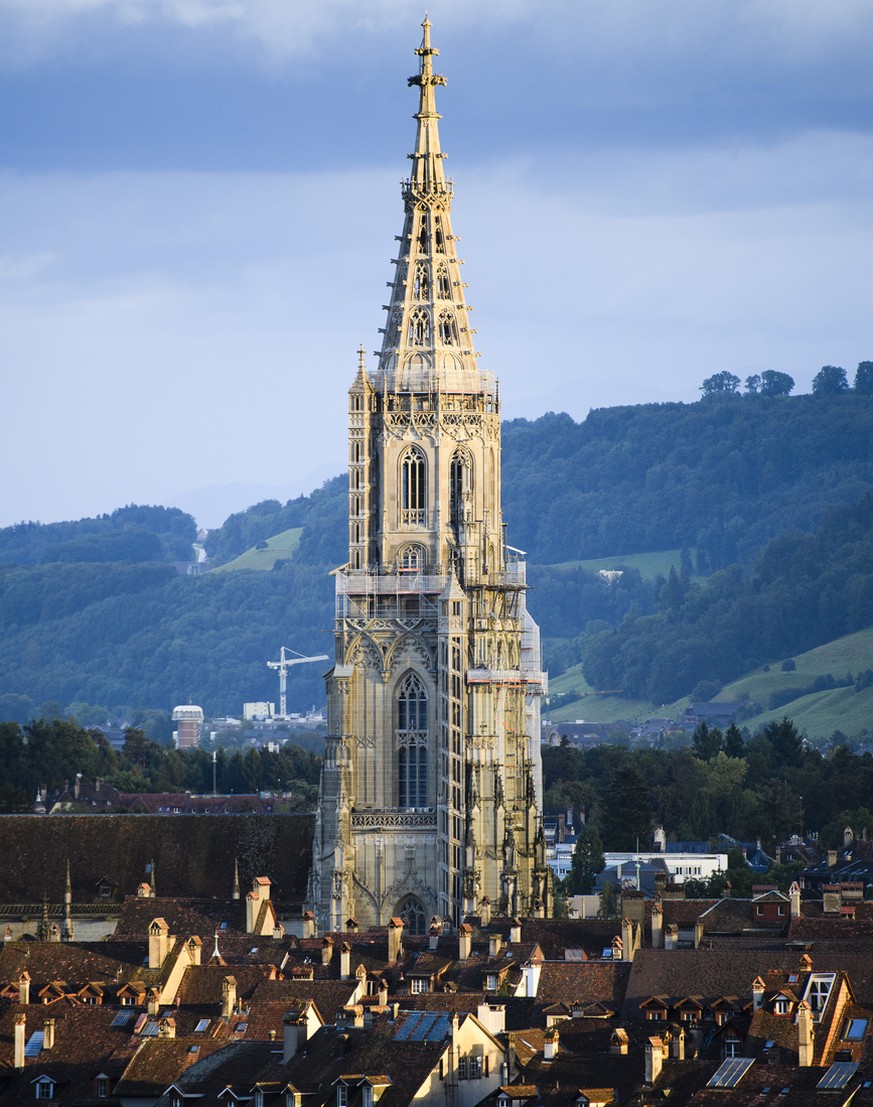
{"points": [[430, 800]]}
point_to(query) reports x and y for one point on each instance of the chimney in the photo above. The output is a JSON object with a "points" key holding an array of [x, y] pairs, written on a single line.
{"points": [[677, 1045], [515, 931], [18, 1048], [345, 961], [235, 893], [671, 936], [294, 1034], [153, 1006], [167, 1028], [618, 1045], [550, 1044], [24, 987], [538, 909], [383, 992], [159, 942], [195, 950], [308, 924], [485, 911], [395, 939], [727, 890], [757, 993], [832, 858], [228, 996], [657, 925], [794, 899], [77, 787], [805, 1036], [627, 940], [352, 925], [465, 941], [48, 1031], [654, 1059], [326, 950], [495, 944]]}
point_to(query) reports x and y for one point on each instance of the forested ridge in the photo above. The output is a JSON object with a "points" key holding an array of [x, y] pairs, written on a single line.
{"points": [[765, 493]]}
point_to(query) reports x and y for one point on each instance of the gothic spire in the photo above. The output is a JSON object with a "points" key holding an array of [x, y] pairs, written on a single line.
{"points": [[428, 343], [427, 173]]}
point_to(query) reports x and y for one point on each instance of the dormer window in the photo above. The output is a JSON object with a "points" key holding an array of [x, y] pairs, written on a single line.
{"points": [[342, 1095], [781, 1005], [817, 992], [44, 1088]]}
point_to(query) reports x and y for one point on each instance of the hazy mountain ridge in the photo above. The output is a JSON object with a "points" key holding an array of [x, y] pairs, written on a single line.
{"points": [[720, 477]]}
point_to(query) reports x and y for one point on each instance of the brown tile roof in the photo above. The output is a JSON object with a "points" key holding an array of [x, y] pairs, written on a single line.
{"points": [[585, 982], [193, 856]]}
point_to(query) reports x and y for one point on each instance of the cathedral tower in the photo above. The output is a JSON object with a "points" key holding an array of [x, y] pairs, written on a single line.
{"points": [[431, 788]]}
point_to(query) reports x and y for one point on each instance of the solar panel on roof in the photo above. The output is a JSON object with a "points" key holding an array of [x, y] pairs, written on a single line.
{"points": [[150, 1030], [124, 1019], [837, 1076], [730, 1072], [34, 1043]]}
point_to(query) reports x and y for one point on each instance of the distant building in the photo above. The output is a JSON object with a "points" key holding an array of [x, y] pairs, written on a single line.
{"points": [[189, 720], [258, 711]]}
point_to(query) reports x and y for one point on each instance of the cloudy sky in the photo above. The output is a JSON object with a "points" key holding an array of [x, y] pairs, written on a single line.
{"points": [[198, 200]]}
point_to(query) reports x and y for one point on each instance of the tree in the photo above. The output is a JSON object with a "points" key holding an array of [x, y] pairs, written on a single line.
{"points": [[720, 384], [786, 741], [830, 380], [588, 861], [864, 378], [627, 810], [734, 745], [774, 383], [706, 743], [753, 384]]}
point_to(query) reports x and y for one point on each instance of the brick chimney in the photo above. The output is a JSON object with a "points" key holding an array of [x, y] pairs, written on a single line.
{"points": [[18, 1047], [395, 939]]}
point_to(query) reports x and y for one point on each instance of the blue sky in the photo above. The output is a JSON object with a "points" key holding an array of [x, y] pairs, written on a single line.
{"points": [[198, 203]]}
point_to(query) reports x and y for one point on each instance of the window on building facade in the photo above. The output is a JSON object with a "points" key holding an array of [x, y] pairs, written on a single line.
{"points": [[412, 743], [444, 287], [460, 484], [421, 284], [413, 474]]}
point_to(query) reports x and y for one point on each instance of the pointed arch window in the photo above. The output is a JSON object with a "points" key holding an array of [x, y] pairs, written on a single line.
{"points": [[460, 484], [411, 743], [439, 240], [422, 232], [413, 488], [419, 328], [421, 283], [412, 559], [443, 284], [448, 328]]}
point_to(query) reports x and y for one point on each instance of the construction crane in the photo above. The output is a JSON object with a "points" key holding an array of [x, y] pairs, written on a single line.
{"points": [[283, 665]]}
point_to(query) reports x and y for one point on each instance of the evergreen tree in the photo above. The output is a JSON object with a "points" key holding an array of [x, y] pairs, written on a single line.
{"points": [[734, 744], [706, 742], [588, 861], [627, 810]]}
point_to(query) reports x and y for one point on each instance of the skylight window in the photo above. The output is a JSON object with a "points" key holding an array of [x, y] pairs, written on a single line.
{"points": [[34, 1043], [201, 1026], [855, 1029]]}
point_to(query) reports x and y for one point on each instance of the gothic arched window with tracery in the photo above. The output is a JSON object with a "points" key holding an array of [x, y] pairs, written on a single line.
{"points": [[421, 282], [443, 284], [413, 487], [411, 743], [448, 328], [419, 328]]}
